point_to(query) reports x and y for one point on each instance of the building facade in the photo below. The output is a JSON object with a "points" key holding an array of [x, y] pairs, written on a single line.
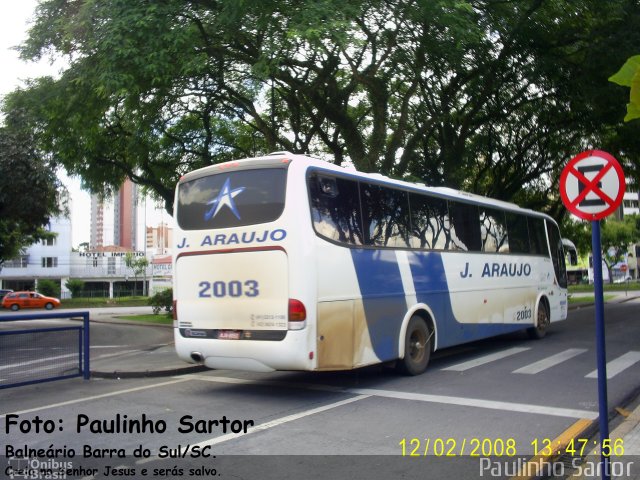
{"points": [[159, 239], [47, 259], [96, 239], [103, 270], [125, 210]]}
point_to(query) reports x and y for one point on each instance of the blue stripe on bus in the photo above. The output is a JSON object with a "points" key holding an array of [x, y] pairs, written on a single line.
{"points": [[385, 305], [383, 298], [432, 289]]}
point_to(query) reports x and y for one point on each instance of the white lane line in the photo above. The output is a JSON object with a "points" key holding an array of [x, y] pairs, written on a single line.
{"points": [[551, 361], [96, 397], [444, 399], [461, 367], [267, 425], [40, 360], [281, 421], [479, 403], [614, 367]]}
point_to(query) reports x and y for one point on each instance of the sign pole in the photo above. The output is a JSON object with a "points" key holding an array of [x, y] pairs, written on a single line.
{"points": [[603, 412]]}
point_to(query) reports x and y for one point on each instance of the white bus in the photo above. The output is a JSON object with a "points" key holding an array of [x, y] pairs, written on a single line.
{"points": [[286, 262]]}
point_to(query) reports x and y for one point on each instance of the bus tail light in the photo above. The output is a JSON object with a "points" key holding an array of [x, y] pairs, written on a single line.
{"points": [[297, 315], [175, 310]]}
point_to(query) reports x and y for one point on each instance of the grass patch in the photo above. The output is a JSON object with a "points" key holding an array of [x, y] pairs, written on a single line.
{"points": [[161, 318], [607, 287], [588, 299], [104, 302]]}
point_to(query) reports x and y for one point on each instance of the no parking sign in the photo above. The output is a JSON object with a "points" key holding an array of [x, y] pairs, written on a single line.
{"points": [[592, 186]]}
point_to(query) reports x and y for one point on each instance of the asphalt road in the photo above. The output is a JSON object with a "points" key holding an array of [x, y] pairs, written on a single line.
{"points": [[504, 396]]}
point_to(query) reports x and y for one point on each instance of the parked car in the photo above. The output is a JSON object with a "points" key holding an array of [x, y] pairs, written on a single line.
{"points": [[3, 293], [17, 300]]}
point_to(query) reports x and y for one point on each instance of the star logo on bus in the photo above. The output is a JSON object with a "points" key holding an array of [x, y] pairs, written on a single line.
{"points": [[225, 197]]}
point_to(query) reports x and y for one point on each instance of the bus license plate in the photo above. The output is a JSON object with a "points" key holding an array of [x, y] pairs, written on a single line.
{"points": [[229, 335]]}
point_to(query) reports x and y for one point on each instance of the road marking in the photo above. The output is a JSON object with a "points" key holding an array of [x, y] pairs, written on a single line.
{"points": [[282, 420], [551, 361], [480, 403], [40, 360], [461, 367], [96, 397], [268, 425], [420, 397], [614, 367]]}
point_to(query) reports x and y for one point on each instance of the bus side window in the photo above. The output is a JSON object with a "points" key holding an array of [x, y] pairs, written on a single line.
{"points": [[385, 213], [557, 254], [537, 236], [429, 222], [493, 229], [518, 233], [335, 209], [465, 227]]}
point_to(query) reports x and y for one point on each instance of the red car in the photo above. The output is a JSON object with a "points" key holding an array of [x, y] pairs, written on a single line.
{"points": [[17, 300]]}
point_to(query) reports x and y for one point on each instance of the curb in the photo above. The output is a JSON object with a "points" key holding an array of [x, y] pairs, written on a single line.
{"points": [[630, 423], [615, 301], [130, 323], [150, 373], [116, 321], [533, 468]]}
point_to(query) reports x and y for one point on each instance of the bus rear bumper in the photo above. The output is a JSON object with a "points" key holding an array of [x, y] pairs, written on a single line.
{"points": [[291, 353], [237, 363]]}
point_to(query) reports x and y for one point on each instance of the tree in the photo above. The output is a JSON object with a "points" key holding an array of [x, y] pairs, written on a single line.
{"points": [[488, 96], [30, 192], [579, 232], [162, 299], [75, 285], [49, 288], [139, 266], [629, 76], [616, 237]]}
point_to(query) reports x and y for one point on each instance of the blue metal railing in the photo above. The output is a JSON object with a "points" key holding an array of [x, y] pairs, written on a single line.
{"points": [[10, 352]]}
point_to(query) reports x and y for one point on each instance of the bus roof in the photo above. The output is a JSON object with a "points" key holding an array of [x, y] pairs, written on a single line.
{"points": [[279, 158]]}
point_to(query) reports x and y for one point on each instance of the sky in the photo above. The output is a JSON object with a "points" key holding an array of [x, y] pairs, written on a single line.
{"points": [[14, 22]]}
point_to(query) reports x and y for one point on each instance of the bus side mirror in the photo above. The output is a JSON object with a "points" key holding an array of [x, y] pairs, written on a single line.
{"points": [[573, 257], [571, 251]]}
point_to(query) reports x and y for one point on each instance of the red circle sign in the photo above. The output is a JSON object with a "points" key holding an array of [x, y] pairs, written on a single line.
{"points": [[592, 185]]}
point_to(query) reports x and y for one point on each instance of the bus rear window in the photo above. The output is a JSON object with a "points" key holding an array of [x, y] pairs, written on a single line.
{"points": [[233, 199]]}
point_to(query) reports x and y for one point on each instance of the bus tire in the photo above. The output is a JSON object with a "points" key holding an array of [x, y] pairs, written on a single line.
{"points": [[417, 347], [542, 322]]}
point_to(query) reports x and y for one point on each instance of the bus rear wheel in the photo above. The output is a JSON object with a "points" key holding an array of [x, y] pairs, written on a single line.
{"points": [[542, 323], [417, 347]]}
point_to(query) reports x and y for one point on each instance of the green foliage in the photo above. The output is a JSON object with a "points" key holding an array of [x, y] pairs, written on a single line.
{"points": [[491, 97], [75, 286], [579, 232], [162, 300], [138, 265], [629, 76], [30, 192], [616, 236], [49, 288]]}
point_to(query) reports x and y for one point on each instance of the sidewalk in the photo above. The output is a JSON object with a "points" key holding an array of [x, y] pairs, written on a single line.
{"points": [[156, 360]]}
